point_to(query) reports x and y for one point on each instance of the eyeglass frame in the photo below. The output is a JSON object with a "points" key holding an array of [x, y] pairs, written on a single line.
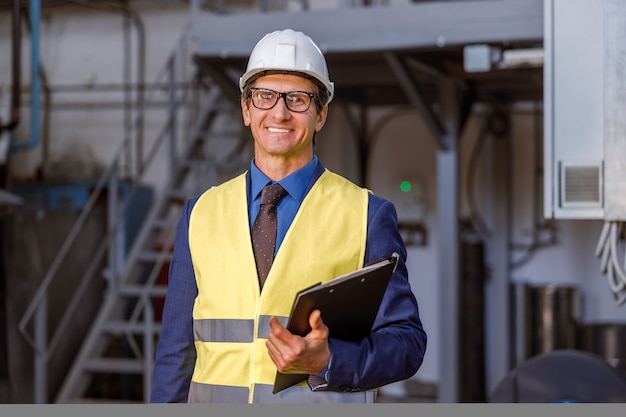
{"points": [[312, 96]]}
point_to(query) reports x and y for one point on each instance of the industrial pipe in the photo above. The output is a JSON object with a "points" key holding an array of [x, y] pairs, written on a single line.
{"points": [[35, 18], [16, 53]]}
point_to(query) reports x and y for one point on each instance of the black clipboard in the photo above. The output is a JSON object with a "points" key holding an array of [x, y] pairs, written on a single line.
{"points": [[349, 304]]}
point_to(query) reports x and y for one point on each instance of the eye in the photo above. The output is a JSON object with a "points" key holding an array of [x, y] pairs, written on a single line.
{"points": [[294, 98], [298, 99], [265, 95]]}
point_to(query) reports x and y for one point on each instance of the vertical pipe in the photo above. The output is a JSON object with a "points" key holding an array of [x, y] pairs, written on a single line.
{"points": [[16, 56], [549, 169], [448, 230], [148, 349], [128, 107], [41, 353], [502, 350], [35, 19], [172, 117], [132, 16], [16, 68], [41, 360], [114, 259], [471, 316], [141, 79]]}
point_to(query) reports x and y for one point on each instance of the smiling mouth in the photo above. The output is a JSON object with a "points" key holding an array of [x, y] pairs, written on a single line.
{"points": [[276, 130]]}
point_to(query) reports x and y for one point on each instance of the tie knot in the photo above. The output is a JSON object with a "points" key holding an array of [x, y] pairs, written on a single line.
{"points": [[272, 194]]}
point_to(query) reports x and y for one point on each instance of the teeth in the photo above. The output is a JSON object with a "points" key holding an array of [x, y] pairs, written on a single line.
{"points": [[276, 130]]}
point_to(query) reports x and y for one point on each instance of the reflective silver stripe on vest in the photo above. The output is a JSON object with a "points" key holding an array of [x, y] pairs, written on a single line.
{"points": [[223, 330], [232, 330], [264, 325], [207, 393], [303, 394]]}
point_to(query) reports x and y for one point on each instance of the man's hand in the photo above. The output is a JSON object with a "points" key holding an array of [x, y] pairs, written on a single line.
{"points": [[299, 355]]}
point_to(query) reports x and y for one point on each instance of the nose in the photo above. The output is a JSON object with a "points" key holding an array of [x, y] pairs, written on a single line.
{"points": [[280, 110]]}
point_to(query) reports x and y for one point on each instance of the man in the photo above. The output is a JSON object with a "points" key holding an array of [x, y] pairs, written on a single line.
{"points": [[223, 336]]}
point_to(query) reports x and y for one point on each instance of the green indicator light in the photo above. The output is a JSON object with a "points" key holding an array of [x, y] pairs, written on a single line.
{"points": [[405, 186]]}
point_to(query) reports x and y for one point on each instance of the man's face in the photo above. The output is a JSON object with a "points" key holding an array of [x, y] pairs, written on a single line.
{"points": [[281, 135]]}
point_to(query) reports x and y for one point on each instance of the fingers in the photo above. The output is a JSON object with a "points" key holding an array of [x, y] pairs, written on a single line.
{"points": [[275, 325], [283, 347], [277, 342], [315, 320]]}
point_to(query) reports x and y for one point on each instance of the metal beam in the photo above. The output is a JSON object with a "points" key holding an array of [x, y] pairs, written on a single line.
{"points": [[226, 83], [416, 98], [366, 29], [424, 68]]}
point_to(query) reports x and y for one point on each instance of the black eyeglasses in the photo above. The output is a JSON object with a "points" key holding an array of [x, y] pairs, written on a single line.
{"points": [[296, 101]]}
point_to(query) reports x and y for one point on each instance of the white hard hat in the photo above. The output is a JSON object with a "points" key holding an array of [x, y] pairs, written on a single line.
{"points": [[291, 51]]}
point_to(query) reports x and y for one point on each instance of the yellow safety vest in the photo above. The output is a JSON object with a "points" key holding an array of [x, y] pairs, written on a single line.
{"points": [[231, 315]]}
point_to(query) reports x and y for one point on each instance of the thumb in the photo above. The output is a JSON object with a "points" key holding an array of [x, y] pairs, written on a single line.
{"points": [[315, 320], [274, 322]]}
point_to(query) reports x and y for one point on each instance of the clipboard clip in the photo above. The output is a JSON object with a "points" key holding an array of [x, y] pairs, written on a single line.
{"points": [[393, 258]]}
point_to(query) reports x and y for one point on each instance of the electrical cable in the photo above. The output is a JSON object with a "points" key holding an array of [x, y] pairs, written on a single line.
{"points": [[604, 261], [478, 220], [614, 254], [603, 236], [538, 225], [607, 251], [479, 223]]}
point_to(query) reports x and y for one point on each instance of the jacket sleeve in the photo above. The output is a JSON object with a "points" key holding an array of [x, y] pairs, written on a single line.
{"points": [[395, 349], [175, 354]]}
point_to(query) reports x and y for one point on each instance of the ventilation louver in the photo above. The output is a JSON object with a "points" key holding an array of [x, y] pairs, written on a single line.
{"points": [[581, 185]]}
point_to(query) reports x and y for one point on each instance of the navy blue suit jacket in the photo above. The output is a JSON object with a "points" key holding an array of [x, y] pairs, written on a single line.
{"points": [[394, 350]]}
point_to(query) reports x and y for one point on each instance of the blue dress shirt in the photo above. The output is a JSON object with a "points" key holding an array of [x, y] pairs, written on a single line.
{"points": [[296, 184]]}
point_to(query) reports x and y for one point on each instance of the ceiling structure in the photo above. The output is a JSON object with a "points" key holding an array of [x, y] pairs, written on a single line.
{"points": [[390, 55], [370, 50]]}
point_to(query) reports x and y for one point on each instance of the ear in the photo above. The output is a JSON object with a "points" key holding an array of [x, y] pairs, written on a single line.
{"points": [[245, 111], [321, 118]]}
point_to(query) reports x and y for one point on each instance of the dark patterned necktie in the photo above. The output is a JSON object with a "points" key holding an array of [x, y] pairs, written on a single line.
{"points": [[264, 230]]}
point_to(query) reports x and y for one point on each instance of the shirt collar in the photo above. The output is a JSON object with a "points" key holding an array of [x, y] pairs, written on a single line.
{"points": [[295, 183]]}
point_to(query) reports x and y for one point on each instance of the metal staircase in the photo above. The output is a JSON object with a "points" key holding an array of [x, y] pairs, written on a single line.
{"points": [[202, 141]]}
